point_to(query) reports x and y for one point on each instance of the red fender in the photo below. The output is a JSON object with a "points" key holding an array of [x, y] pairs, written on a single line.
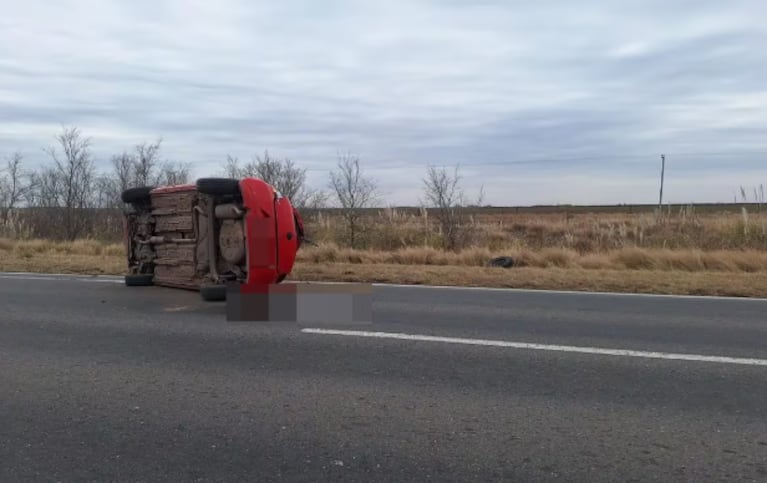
{"points": [[271, 232]]}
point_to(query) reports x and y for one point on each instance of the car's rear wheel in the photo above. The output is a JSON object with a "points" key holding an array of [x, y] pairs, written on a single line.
{"points": [[213, 293], [139, 194], [139, 280], [218, 186]]}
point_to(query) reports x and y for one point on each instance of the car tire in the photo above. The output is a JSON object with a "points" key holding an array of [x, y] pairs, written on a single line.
{"points": [[138, 194], [139, 280], [218, 186], [213, 293]]}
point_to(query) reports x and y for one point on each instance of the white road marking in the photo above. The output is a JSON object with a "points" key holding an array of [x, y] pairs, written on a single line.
{"points": [[546, 292], [571, 292], [542, 347], [71, 278], [115, 279]]}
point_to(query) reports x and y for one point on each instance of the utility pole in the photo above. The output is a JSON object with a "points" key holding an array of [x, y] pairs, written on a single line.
{"points": [[662, 175]]}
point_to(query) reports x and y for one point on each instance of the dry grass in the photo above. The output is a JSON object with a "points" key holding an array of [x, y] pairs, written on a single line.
{"points": [[80, 256], [581, 231], [633, 258], [644, 270], [639, 281]]}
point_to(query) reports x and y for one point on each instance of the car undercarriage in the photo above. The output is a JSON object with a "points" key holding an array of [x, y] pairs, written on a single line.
{"points": [[205, 235]]}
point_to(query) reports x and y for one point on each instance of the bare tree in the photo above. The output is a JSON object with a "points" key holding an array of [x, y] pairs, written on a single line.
{"points": [[292, 183], [174, 173], [481, 196], [32, 197], [316, 200], [283, 174], [145, 164], [142, 168], [353, 191], [111, 185], [443, 192], [267, 168], [105, 193], [123, 166], [4, 191], [12, 186], [45, 188], [67, 184], [232, 168]]}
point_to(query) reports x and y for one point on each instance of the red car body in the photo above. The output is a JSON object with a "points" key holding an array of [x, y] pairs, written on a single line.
{"points": [[204, 235]]}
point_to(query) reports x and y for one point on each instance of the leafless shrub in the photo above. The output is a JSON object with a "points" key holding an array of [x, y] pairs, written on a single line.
{"points": [[316, 200], [13, 189], [174, 173], [145, 164], [353, 191], [68, 183], [105, 192], [283, 174], [123, 170], [232, 168], [142, 167], [443, 193]]}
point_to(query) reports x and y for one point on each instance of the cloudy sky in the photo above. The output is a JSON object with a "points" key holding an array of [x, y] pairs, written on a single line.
{"points": [[542, 102]]}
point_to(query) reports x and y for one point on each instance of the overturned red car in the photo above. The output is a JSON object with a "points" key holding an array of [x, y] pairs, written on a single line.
{"points": [[205, 235]]}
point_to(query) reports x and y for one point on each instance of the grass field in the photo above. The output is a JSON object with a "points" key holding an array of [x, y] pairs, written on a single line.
{"points": [[641, 270], [704, 249], [730, 227]]}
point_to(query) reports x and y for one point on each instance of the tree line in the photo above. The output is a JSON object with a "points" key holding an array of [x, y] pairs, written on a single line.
{"points": [[68, 198]]}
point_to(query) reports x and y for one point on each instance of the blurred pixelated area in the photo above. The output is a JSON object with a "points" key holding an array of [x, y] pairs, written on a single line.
{"points": [[301, 303]]}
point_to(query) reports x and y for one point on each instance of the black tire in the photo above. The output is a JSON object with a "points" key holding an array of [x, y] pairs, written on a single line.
{"points": [[139, 280], [218, 186], [137, 195], [213, 293], [503, 262]]}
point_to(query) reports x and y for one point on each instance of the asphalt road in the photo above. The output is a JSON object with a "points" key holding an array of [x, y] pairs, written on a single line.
{"points": [[101, 382]]}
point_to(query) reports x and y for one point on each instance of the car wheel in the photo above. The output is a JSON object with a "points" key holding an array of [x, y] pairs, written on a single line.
{"points": [[213, 293], [218, 186], [139, 280], [139, 194]]}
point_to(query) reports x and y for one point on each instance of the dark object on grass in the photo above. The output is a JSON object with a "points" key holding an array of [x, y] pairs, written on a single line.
{"points": [[503, 262]]}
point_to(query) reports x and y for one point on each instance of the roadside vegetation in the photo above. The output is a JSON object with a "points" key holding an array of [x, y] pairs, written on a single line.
{"points": [[65, 217]]}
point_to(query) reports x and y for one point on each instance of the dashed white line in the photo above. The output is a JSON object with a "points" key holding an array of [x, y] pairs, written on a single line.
{"points": [[542, 347]]}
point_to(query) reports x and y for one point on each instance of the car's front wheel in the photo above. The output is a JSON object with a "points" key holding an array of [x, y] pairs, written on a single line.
{"points": [[138, 195], [218, 186], [213, 293], [139, 280]]}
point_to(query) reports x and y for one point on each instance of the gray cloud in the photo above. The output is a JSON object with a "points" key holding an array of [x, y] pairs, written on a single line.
{"points": [[541, 102]]}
